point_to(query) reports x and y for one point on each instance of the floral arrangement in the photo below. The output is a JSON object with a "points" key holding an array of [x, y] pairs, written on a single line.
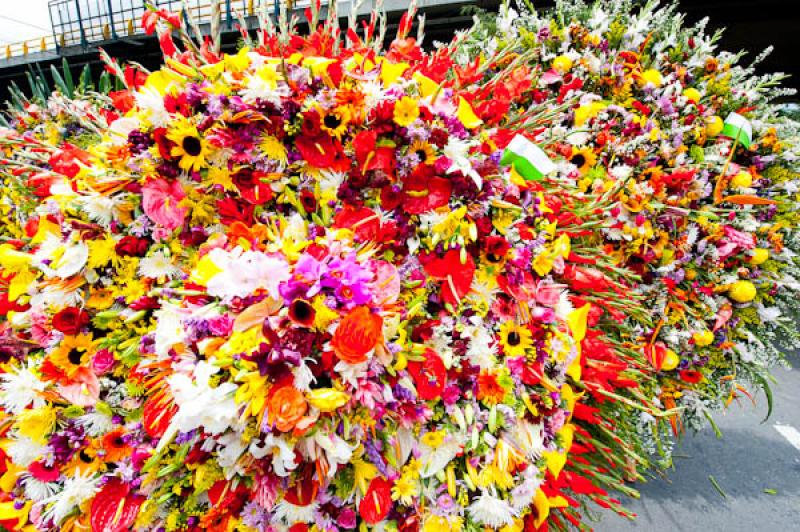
{"points": [[319, 284]]}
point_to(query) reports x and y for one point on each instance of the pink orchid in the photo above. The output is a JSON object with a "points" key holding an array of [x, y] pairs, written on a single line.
{"points": [[161, 203]]}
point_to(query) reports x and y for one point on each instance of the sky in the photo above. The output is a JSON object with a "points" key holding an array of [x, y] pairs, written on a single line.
{"points": [[22, 20]]}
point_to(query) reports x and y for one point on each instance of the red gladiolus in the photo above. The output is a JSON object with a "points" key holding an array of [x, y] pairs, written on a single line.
{"points": [[65, 161], [123, 100]]}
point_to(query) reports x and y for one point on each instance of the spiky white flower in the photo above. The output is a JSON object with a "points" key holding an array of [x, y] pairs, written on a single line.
{"points": [[158, 265], [76, 490], [20, 387], [491, 511]]}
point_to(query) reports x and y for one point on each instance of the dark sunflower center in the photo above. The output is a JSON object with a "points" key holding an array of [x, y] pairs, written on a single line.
{"points": [[74, 357], [192, 146], [513, 339], [579, 160], [494, 258], [85, 458], [422, 155], [332, 121]]}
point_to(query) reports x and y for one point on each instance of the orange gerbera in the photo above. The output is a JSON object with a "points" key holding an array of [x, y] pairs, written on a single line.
{"points": [[358, 334], [287, 406], [114, 446], [490, 391]]}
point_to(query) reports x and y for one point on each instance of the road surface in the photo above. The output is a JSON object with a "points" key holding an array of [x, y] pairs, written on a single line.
{"points": [[750, 458]]}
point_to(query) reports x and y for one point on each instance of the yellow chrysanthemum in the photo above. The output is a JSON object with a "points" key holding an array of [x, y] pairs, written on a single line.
{"points": [[274, 149]]}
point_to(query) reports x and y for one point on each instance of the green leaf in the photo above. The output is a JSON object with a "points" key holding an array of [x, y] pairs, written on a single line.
{"points": [[762, 381], [68, 75], [61, 85]]}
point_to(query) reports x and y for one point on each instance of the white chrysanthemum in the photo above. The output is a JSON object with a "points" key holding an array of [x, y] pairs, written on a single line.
{"points": [[289, 514], [158, 265], [491, 511], [200, 405], [36, 490], [96, 423], [76, 490], [21, 387], [23, 451], [481, 350], [100, 209]]}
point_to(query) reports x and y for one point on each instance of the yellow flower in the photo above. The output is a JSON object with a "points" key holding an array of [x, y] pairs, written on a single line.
{"points": [[438, 523], [433, 439], [335, 121], [692, 94], [651, 76], [742, 291], [37, 423], [189, 145], [714, 125], [515, 339], [406, 111], [274, 149], [543, 263], [742, 180], [703, 338], [586, 112], [73, 353], [562, 64], [758, 256], [327, 399], [218, 176], [423, 150], [238, 62], [404, 490], [101, 252]]}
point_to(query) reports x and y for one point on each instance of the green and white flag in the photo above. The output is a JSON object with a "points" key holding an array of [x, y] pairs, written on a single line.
{"points": [[528, 159], [738, 128]]}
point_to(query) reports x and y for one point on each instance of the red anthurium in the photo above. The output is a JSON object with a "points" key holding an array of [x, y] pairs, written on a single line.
{"points": [[377, 501], [115, 507], [422, 194], [430, 375], [365, 223], [456, 276]]}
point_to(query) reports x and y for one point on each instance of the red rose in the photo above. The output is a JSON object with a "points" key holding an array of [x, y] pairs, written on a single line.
{"points": [[131, 246], [71, 320]]}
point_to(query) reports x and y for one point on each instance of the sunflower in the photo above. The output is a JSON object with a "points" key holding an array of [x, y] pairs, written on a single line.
{"points": [[189, 145], [584, 159], [515, 339], [73, 353], [423, 150], [335, 121]]}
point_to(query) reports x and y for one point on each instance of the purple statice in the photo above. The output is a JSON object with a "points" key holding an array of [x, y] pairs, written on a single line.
{"points": [[372, 449]]}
